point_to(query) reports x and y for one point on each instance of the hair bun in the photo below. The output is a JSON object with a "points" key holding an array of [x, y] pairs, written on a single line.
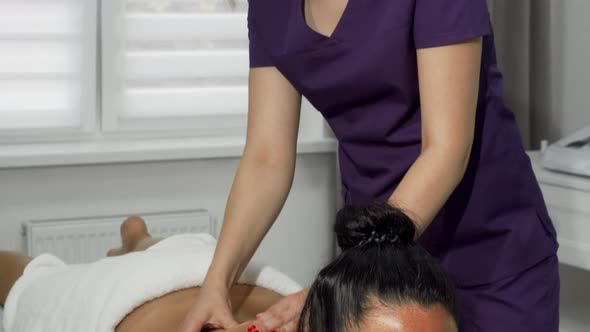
{"points": [[374, 224]]}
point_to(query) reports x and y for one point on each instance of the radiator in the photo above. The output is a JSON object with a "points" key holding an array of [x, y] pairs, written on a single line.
{"points": [[86, 239]]}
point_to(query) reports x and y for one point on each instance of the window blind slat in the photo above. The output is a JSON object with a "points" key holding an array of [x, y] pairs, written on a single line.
{"points": [[37, 17], [20, 95], [223, 3], [48, 57], [173, 64], [213, 26], [180, 102], [187, 6], [40, 119]]}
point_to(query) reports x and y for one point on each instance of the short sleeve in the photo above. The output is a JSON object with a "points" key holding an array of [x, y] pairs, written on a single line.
{"points": [[258, 53], [444, 22]]}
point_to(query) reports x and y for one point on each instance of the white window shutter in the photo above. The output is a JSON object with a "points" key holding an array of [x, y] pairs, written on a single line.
{"points": [[47, 67], [174, 65], [180, 68]]}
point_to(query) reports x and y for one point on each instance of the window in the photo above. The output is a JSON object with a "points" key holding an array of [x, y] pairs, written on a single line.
{"points": [[47, 67], [175, 64], [147, 68]]}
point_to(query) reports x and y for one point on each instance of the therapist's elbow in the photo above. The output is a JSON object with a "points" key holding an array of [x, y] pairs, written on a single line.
{"points": [[455, 156], [266, 157]]}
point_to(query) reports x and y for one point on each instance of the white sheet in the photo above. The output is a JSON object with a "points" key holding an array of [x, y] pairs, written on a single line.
{"points": [[96, 297]]}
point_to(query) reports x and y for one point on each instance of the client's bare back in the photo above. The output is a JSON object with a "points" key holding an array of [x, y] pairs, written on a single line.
{"points": [[168, 311], [161, 314]]}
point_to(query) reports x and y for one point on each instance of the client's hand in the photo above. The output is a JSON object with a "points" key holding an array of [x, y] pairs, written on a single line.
{"points": [[211, 310], [283, 316]]}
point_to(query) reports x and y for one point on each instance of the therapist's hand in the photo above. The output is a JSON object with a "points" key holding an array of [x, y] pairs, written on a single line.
{"points": [[283, 316], [211, 310]]}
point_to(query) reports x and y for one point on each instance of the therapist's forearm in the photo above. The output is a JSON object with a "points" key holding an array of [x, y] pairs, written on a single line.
{"points": [[258, 193], [429, 183]]}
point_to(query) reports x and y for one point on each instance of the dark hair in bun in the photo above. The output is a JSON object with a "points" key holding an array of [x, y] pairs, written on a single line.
{"points": [[374, 224], [380, 261]]}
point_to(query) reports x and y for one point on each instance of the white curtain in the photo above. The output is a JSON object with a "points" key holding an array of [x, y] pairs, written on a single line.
{"points": [[512, 28], [543, 50]]}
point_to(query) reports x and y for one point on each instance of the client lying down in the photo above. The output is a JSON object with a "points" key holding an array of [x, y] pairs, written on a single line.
{"points": [[381, 282], [146, 285]]}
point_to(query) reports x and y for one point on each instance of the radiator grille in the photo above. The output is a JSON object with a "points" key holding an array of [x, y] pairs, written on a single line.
{"points": [[86, 239]]}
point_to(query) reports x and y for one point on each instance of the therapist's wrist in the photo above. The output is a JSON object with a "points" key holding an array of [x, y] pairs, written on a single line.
{"points": [[419, 225], [216, 286], [218, 282]]}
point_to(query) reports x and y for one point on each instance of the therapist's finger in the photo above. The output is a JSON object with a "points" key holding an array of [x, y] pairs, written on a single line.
{"points": [[191, 325], [267, 323], [273, 317], [221, 322], [226, 321], [289, 327]]}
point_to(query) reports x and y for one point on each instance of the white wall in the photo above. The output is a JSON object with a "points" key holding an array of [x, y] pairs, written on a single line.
{"points": [[299, 244]]}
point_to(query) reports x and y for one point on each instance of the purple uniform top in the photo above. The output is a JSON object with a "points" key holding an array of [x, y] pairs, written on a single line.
{"points": [[364, 80]]}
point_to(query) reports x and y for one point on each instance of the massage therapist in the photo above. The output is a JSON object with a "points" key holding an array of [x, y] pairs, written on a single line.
{"points": [[413, 93]]}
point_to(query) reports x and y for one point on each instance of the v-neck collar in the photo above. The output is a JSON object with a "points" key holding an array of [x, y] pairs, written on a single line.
{"points": [[339, 26]]}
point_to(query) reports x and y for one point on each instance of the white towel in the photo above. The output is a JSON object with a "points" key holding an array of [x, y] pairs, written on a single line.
{"points": [[52, 296]]}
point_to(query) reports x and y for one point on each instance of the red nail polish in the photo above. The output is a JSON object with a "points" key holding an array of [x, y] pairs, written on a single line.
{"points": [[252, 328]]}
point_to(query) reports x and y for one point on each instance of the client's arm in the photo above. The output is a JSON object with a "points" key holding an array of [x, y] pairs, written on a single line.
{"points": [[12, 265]]}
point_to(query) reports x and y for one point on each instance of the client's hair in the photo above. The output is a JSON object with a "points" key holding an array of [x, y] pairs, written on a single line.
{"points": [[380, 264]]}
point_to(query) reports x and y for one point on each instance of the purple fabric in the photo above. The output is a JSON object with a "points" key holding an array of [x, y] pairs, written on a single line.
{"points": [[443, 22], [528, 302], [258, 54], [364, 80]]}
